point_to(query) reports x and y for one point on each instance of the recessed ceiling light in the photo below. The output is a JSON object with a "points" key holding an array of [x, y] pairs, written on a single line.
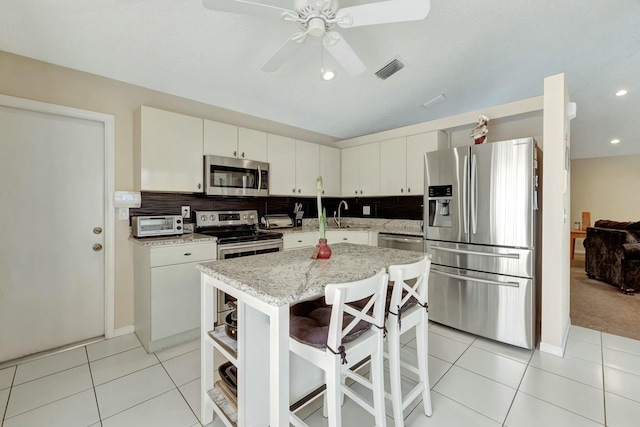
{"points": [[615, 141], [621, 92]]}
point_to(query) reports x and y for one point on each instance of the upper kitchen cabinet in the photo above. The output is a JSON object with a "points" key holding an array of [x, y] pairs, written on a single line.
{"points": [[417, 145], [293, 166], [307, 167], [360, 170], [221, 139], [330, 171], [402, 162], [167, 154], [252, 144], [281, 156], [393, 167]]}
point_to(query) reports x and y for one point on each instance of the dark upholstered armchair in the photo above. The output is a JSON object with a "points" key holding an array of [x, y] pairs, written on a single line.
{"points": [[613, 254]]}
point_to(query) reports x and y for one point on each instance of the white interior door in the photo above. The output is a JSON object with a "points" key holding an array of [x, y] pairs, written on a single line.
{"points": [[52, 193]]}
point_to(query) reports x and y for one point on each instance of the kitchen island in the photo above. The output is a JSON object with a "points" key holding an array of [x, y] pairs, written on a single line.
{"points": [[265, 287]]}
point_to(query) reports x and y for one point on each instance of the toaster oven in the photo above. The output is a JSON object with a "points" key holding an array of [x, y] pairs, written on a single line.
{"points": [[163, 225]]}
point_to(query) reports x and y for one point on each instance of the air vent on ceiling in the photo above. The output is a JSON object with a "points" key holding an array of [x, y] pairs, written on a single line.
{"points": [[390, 69]]}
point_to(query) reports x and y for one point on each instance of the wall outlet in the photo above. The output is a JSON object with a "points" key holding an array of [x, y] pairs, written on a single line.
{"points": [[366, 210], [186, 212]]}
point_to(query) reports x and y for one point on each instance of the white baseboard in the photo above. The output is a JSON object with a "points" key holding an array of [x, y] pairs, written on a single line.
{"points": [[554, 349], [125, 330]]}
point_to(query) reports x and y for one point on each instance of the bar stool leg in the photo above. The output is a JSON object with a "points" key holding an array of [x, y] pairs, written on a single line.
{"points": [[333, 394], [422, 343], [377, 380], [393, 344]]}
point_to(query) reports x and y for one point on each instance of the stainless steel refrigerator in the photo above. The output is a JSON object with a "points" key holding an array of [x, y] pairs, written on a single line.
{"points": [[481, 226]]}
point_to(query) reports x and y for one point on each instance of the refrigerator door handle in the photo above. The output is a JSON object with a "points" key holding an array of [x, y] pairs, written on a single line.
{"points": [[464, 196], [466, 252], [475, 279], [474, 193]]}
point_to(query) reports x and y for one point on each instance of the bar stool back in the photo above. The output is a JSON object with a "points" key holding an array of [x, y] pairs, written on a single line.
{"points": [[343, 350], [409, 309]]}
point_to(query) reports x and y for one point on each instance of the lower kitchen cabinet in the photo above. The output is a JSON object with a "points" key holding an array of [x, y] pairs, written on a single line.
{"points": [[340, 236], [310, 239], [299, 240], [167, 292]]}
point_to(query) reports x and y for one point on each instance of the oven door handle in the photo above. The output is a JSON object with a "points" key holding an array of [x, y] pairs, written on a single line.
{"points": [[252, 246]]}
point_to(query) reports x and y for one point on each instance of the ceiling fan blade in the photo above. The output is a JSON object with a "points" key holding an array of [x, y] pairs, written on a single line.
{"points": [[246, 8], [343, 54], [286, 51], [383, 12]]}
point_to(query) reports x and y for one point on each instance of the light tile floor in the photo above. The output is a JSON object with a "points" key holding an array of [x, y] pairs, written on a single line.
{"points": [[475, 382]]}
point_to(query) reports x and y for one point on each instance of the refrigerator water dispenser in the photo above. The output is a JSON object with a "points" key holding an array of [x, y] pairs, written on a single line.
{"points": [[440, 206]]}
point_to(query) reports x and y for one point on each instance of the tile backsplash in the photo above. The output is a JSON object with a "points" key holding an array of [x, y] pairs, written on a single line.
{"points": [[393, 207]]}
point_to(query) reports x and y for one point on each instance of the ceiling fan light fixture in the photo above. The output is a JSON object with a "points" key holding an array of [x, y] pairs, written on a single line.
{"points": [[328, 75]]}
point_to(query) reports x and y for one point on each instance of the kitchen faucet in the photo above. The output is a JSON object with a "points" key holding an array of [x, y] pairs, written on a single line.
{"points": [[346, 208]]}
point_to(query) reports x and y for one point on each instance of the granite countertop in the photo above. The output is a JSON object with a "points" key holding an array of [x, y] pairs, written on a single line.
{"points": [[287, 277], [181, 239]]}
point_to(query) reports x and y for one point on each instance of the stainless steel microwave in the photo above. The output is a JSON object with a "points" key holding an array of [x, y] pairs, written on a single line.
{"points": [[147, 226], [226, 176]]}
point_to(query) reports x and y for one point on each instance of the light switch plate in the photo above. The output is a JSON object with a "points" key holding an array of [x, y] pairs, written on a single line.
{"points": [[366, 210]]}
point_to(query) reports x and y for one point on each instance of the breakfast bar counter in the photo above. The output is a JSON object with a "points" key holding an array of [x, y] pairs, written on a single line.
{"points": [[265, 287]]}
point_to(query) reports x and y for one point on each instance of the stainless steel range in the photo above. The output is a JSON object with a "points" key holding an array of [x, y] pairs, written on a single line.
{"points": [[238, 236]]}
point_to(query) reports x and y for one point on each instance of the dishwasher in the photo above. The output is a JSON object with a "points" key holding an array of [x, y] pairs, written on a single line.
{"points": [[405, 242]]}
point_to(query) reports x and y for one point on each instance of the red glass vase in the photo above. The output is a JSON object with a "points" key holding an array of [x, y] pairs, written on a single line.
{"points": [[324, 251]]}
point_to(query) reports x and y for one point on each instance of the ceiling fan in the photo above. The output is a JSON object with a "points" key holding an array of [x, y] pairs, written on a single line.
{"points": [[319, 18]]}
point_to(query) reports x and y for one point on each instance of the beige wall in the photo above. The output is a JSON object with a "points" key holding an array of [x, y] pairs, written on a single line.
{"points": [[26, 78], [607, 187]]}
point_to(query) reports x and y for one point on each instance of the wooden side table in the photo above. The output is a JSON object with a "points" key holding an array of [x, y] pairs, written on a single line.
{"points": [[576, 234]]}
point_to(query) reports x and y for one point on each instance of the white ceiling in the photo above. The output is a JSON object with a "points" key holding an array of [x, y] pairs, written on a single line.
{"points": [[478, 53]]}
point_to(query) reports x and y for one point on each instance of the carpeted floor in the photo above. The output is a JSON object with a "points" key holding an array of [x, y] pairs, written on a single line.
{"points": [[600, 306]]}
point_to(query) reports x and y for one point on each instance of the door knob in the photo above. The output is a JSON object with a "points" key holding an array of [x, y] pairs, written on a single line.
{"points": [[97, 247], [97, 230]]}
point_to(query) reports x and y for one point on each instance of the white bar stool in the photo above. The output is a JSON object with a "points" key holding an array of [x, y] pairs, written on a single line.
{"points": [[408, 309], [335, 349]]}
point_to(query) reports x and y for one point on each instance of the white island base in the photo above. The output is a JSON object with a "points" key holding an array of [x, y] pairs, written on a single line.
{"points": [[269, 379]]}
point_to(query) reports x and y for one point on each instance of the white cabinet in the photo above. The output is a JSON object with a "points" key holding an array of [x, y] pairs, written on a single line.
{"points": [[299, 240], [417, 145], [293, 166], [252, 144], [393, 167], [360, 170], [281, 155], [167, 292], [402, 162], [220, 139], [307, 167], [226, 140], [167, 151], [330, 171], [342, 236]]}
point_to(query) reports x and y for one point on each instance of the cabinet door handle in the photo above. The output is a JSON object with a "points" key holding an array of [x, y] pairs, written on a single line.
{"points": [[293, 191], [187, 254], [360, 191], [322, 191], [345, 238], [408, 190], [199, 186], [402, 190], [235, 153], [299, 241], [243, 154], [299, 191], [356, 191]]}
